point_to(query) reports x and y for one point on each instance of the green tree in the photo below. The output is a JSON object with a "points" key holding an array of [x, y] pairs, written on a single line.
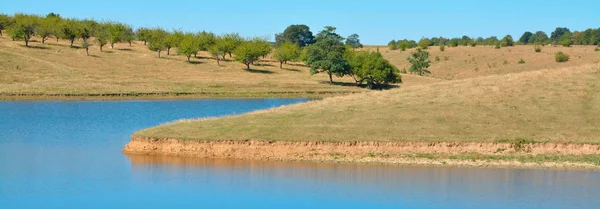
{"points": [[157, 41], [24, 27], [525, 37], [219, 49], [286, 52], [473, 43], [188, 46], [68, 30], [128, 35], [86, 29], [5, 22], [354, 41], [46, 29], [143, 34], [249, 51], [424, 43], [327, 54], [507, 41], [372, 68], [103, 34], [173, 40], [230, 42], [116, 33], [296, 34], [454, 42], [558, 33], [393, 45], [539, 37], [86, 46], [420, 62]]}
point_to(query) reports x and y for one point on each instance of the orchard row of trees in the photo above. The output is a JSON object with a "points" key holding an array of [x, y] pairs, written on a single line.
{"points": [[560, 36], [327, 52]]}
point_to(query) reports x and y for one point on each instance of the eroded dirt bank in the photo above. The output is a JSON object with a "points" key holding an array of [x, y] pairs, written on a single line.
{"points": [[364, 152]]}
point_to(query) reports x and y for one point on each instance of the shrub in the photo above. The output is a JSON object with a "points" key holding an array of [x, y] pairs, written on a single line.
{"points": [[537, 48], [442, 48], [437, 58], [561, 57], [473, 43], [566, 43], [521, 61], [497, 46], [597, 49]]}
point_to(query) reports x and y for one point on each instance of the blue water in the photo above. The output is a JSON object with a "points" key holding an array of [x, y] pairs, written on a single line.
{"points": [[68, 155]]}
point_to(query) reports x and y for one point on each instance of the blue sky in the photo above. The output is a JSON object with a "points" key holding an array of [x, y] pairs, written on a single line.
{"points": [[376, 21]]}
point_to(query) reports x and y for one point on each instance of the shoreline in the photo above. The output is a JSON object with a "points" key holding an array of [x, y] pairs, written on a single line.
{"points": [[168, 95], [460, 154]]}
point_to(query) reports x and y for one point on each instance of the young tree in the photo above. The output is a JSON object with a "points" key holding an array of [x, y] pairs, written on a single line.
{"points": [[420, 62], [296, 34], [24, 27], [372, 68], [188, 46], [354, 41], [128, 35], [116, 33], [393, 45], [206, 40], [86, 29], [249, 51], [218, 49], [539, 37], [68, 30], [86, 46], [326, 54], [157, 41], [143, 34], [286, 52], [173, 40], [230, 42], [46, 29], [103, 34], [558, 33]]}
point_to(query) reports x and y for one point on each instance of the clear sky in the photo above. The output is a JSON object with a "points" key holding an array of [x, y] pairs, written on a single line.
{"points": [[376, 21]]}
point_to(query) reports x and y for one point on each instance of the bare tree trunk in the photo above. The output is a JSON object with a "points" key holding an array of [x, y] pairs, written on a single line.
{"points": [[86, 51], [43, 40], [130, 44], [218, 61], [26, 42], [72, 40], [112, 45], [280, 64], [144, 42], [188, 56], [56, 39], [168, 50], [248, 66], [330, 79], [230, 54], [100, 48]]}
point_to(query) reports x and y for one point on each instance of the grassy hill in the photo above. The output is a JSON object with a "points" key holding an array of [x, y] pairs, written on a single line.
{"points": [[555, 105]]}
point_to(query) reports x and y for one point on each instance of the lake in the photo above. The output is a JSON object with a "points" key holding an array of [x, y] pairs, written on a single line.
{"points": [[56, 154]]}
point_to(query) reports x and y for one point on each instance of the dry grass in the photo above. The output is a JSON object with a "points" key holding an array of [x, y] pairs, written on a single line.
{"points": [[55, 68], [468, 62], [556, 105]]}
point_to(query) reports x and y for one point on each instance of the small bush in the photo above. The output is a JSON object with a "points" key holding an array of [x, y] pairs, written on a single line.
{"points": [[497, 46], [505, 62], [521, 61], [403, 71], [537, 48], [597, 49], [442, 48], [561, 57], [437, 58]]}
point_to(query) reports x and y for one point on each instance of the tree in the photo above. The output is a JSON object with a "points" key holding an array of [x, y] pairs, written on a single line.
{"points": [[249, 51], [424, 43], [454, 42], [393, 45], [326, 54], [473, 43], [218, 49], [128, 35], [372, 68], [525, 37], [86, 29], [464, 40], [492, 40], [539, 37], [143, 34], [354, 41], [116, 33], [507, 41], [157, 41], [46, 29], [296, 34], [230, 42], [286, 52], [24, 27], [68, 30], [103, 34], [558, 33], [173, 40], [206, 40], [188, 46], [86, 46], [5, 22], [420, 62]]}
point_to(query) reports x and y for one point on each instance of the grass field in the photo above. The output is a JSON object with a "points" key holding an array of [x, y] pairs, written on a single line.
{"points": [[555, 105]]}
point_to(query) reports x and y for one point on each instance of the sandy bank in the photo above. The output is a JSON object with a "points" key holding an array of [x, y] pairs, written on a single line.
{"points": [[419, 153]]}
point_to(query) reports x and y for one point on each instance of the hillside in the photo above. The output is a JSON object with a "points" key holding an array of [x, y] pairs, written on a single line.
{"points": [[556, 105]]}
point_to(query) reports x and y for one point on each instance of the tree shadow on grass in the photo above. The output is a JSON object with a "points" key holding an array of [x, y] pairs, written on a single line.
{"points": [[94, 56], [195, 62], [297, 64], [125, 49], [364, 86], [260, 71], [75, 47], [108, 52], [291, 69], [264, 64], [35, 47]]}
